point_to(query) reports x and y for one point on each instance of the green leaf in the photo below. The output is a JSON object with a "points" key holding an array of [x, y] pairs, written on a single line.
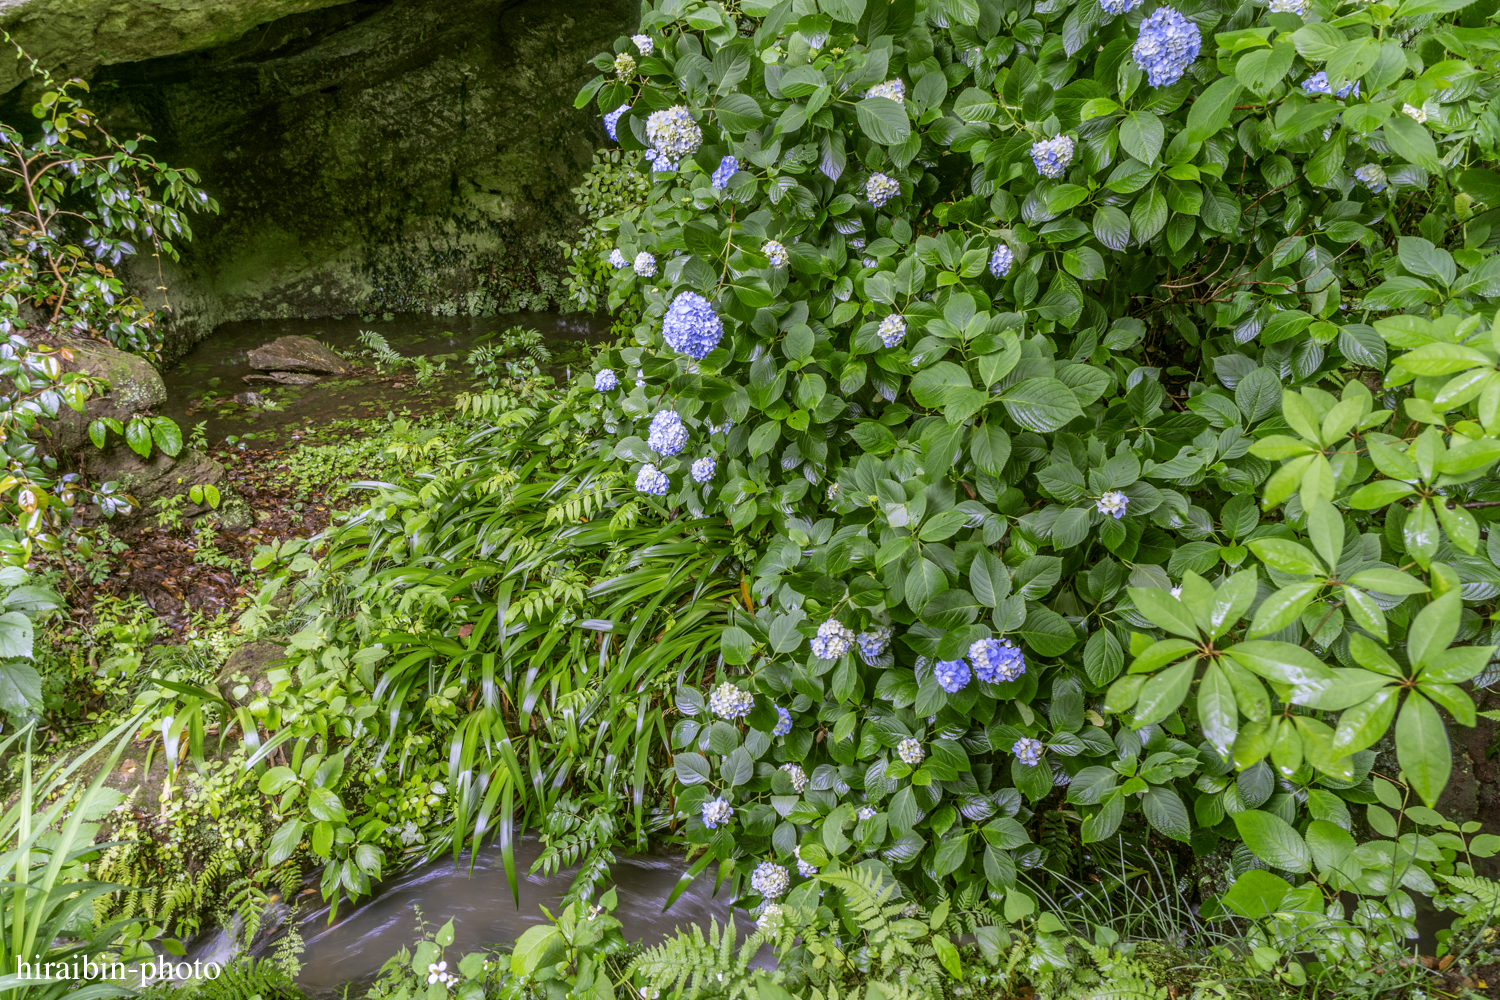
{"points": [[1102, 657], [1161, 695], [1273, 840], [325, 805], [883, 120], [847, 11], [284, 841], [1283, 607], [1373, 496], [1217, 712], [1411, 141], [1164, 611], [97, 433], [1434, 628], [167, 435], [1262, 69], [15, 636], [1165, 812], [1256, 894], [1047, 632], [138, 436], [1281, 662], [1422, 748], [534, 947], [1041, 404], [20, 689], [1141, 135], [1285, 556], [1210, 111]]}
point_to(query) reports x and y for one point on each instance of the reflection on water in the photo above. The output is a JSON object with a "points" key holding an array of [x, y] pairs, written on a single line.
{"points": [[484, 913], [201, 386]]}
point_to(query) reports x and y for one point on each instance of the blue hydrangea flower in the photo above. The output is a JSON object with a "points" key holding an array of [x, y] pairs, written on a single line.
{"points": [[703, 469], [673, 133], [873, 644], [727, 168], [1052, 156], [1001, 261], [775, 253], [1028, 751], [1168, 44], [1318, 84], [881, 189], [997, 661], [770, 879], [894, 90], [1298, 7], [645, 265], [617, 258], [606, 380], [951, 675], [717, 812], [667, 436], [1118, 7], [644, 44], [1113, 503], [612, 119], [1372, 176], [729, 702], [804, 868], [691, 326], [866, 812], [892, 330], [651, 480], [783, 722]]}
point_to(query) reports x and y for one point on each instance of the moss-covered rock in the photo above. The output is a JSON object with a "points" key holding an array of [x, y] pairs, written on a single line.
{"points": [[370, 156], [135, 387]]}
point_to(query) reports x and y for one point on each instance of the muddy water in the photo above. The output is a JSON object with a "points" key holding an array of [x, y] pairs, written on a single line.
{"points": [[484, 913], [202, 385]]}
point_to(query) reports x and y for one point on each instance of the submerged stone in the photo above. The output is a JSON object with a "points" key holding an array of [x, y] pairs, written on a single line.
{"points": [[282, 378], [296, 354]]}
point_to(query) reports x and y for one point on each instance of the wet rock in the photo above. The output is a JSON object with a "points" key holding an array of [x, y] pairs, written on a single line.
{"points": [[250, 399], [135, 386], [245, 675], [297, 354], [150, 479], [282, 378]]}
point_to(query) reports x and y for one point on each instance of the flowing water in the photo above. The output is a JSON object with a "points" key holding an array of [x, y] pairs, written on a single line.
{"points": [[201, 386], [479, 902]]}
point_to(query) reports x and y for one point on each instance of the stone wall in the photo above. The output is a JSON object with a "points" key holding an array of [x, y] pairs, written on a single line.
{"points": [[371, 156]]}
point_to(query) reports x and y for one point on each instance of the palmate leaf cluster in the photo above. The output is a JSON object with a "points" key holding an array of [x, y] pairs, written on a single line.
{"points": [[1202, 422]]}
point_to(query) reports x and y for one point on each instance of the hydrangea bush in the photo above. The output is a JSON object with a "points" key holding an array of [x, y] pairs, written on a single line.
{"points": [[1118, 438]]}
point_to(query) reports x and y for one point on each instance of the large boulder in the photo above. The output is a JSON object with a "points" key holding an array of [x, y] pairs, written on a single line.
{"points": [[296, 354], [151, 479], [245, 675], [369, 157], [135, 387]]}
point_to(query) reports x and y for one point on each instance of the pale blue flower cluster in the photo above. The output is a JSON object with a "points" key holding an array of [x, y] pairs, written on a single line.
{"points": [[1001, 261], [1118, 7], [783, 722], [717, 812], [673, 133], [910, 751], [872, 645], [894, 90], [770, 880], [1318, 84], [804, 868], [667, 436], [703, 469], [866, 812], [951, 675], [644, 44], [618, 259], [660, 162], [770, 918], [795, 772], [726, 169], [1298, 7], [691, 326], [729, 702], [892, 330], [612, 119], [1372, 176], [1112, 503], [1028, 751], [997, 661], [645, 265], [606, 380], [1052, 156], [881, 189], [833, 640], [651, 480], [775, 253], [1167, 45]]}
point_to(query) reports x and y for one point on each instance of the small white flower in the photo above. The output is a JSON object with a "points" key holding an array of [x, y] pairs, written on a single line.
{"points": [[866, 812], [1412, 111], [798, 776], [1176, 591], [1113, 503]]}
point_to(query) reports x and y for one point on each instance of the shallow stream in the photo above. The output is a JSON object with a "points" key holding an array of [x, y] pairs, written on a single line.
{"points": [[201, 386]]}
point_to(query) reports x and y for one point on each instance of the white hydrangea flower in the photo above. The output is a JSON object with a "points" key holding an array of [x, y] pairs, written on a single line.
{"points": [[775, 253], [798, 776], [833, 640], [617, 259], [770, 918], [717, 812], [645, 265], [880, 189], [910, 751], [1412, 111], [894, 90], [892, 330], [1113, 504], [729, 702], [770, 880], [643, 44], [624, 64], [673, 133], [866, 812]]}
